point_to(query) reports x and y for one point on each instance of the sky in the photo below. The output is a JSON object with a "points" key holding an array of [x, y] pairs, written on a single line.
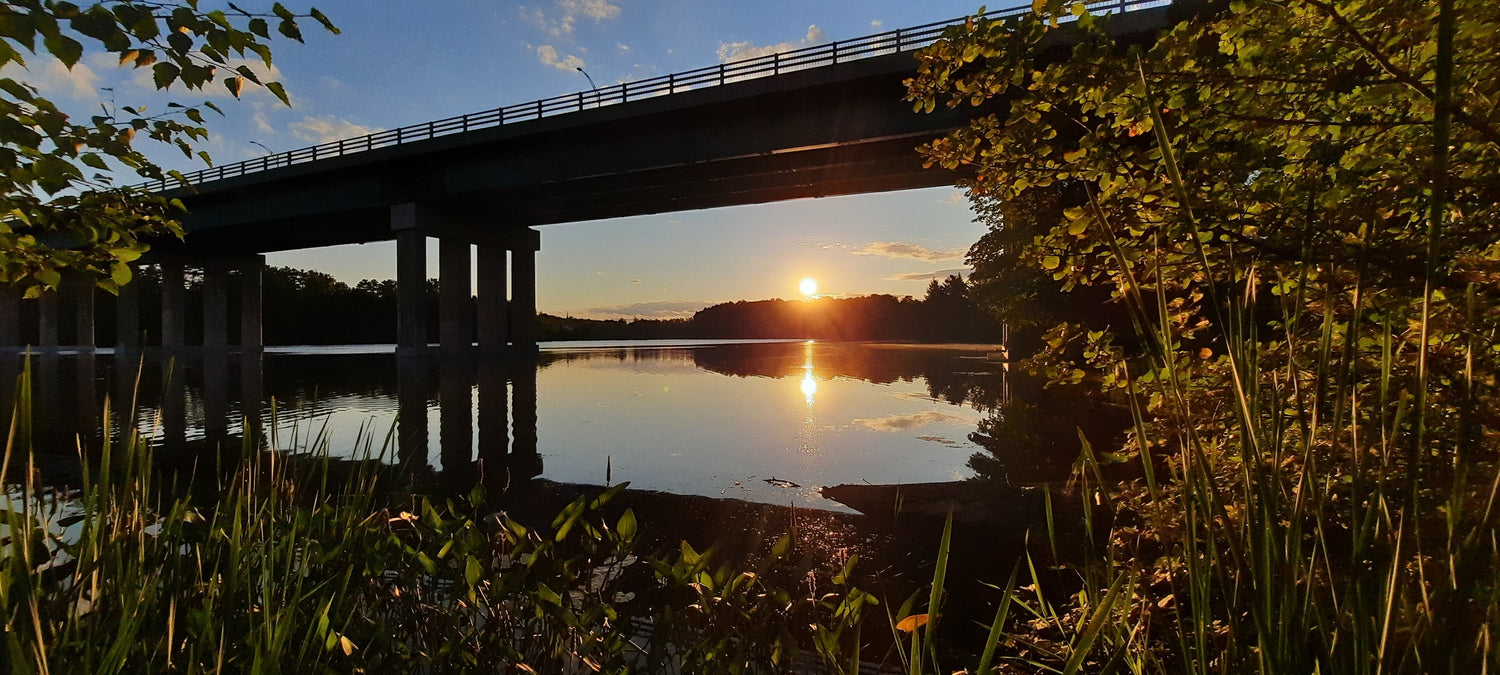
{"points": [[401, 63]]}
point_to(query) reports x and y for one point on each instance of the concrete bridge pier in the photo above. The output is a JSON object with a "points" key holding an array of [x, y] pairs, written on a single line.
{"points": [[173, 305], [215, 306], [128, 318], [455, 326], [504, 256], [47, 310], [82, 290], [251, 311], [219, 273], [492, 306]]}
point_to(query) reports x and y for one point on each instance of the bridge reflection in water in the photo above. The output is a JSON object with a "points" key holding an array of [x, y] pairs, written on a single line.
{"points": [[192, 407]]}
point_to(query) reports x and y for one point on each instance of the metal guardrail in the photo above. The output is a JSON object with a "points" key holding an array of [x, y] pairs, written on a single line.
{"points": [[838, 51]]}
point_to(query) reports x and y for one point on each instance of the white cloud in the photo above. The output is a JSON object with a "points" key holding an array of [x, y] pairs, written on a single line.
{"points": [[891, 423], [262, 124], [898, 249], [548, 55], [568, 13], [935, 274], [598, 10], [735, 51], [877, 24], [54, 80], [327, 129]]}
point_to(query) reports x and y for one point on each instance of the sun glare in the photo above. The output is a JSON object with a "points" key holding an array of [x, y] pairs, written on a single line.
{"points": [[809, 287]]}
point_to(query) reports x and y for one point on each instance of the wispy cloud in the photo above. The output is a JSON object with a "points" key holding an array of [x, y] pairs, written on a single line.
{"points": [[935, 274], [327, 129], [898, 249], [548, 55], [567, 13], [891, 423], [262, 124], [662, 309], [734, 51]]}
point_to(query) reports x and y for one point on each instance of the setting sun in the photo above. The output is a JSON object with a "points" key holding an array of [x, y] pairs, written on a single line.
{"points": [[809, 287]]}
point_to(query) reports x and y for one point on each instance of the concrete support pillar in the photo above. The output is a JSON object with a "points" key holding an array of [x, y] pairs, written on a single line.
{"points": [[173, 305], [216, 306], [128, 317], [251, 338], [83, 303], [455, 331], [523, 301], [411, 281], [47, 310], [491, 301], [10, 318]]}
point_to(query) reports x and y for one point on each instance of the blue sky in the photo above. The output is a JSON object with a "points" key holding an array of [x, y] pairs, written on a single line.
{"points": [[400, 63]]}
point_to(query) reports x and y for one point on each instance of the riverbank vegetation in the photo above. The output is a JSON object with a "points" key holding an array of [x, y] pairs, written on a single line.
{"points": [[1292, 206], [308, 307], [275, 561]]}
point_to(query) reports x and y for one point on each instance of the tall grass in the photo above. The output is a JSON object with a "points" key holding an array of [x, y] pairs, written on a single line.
{"points": [[1329, 499], [296, 562]]}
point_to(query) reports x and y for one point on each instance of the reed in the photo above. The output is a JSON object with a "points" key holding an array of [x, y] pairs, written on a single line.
{"points": [[298, 562]]}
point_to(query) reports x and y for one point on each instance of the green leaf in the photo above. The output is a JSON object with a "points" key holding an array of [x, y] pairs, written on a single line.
{"points": [[548, 595], [66, 49], [627, 525], [473, 571], [120, 273], [280, 93], [162, 74]]}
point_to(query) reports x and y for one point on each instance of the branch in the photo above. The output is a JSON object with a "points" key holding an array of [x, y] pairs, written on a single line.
{"points": [[1405, 77]]}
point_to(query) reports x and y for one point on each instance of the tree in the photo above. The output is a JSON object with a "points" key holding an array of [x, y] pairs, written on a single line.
{"points": [[1297, 201], [60, 205]]}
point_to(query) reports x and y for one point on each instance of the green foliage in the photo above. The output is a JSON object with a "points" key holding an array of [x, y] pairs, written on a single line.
{"points": [[302, 563], [60, 207], [1296, 202]]}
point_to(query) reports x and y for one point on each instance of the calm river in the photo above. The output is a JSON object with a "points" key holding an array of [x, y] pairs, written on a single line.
{"points": [[761, 421]]}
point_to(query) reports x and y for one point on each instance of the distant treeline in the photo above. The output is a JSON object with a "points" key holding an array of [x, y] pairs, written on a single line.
{"points": [[307, 307], [946, 313]]}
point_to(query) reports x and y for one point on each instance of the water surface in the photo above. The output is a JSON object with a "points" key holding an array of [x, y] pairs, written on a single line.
{"points": [[766, 421]]}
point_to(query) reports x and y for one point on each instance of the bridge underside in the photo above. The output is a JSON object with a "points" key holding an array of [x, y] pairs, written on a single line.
{"points": [[835, 130], [501, 212]]}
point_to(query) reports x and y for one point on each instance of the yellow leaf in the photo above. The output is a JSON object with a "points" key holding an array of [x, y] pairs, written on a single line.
{"points": [[912, 623]]}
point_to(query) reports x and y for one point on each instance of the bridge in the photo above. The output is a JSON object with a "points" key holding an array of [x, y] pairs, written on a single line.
{"points": [[824, 120]]}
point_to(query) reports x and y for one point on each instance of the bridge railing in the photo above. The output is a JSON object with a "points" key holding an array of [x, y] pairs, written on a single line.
{"points": [[816, 56]]}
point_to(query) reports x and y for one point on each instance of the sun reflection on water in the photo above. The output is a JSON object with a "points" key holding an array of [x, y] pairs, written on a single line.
{"points": [[809, 383]]}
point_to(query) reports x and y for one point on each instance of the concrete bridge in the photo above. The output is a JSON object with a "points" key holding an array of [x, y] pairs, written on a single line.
{"points": [[825, 120]]}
